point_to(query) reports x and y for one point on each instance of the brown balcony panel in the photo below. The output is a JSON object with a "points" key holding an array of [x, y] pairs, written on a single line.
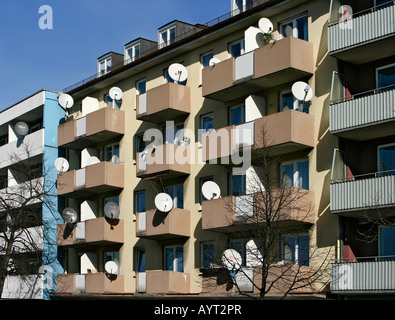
{"points": [[101, 125], [283, 61], [219, 145], [274, 64], [103, 231], [161, 225], [285, 132], [166, 102], [221, 214], [99, 178], [65, 284], [168, 282], [65, 235], [162, 163], [100, 283]]}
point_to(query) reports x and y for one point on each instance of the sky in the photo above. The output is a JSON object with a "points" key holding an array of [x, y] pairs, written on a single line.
{"points": [[34, 58]]}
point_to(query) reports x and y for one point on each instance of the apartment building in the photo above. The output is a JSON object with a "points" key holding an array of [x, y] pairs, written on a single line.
{"points": [[28, 149], [235, 80], [362, 117]]}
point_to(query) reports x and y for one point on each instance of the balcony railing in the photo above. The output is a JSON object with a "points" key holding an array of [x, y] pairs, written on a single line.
{"points": [[165, 102], [374, 275], [167, 282], [371, 108], [273, 64], [368, 191]]}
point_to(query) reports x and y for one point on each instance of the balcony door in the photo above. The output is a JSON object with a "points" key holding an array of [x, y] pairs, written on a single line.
{"points": [[387, 243]]}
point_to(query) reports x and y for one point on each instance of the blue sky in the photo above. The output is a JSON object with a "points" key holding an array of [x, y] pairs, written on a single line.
{"points": [[83, 30]]}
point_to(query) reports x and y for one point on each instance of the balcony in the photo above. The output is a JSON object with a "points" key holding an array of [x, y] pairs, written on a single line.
{"points": [[166, 102], [370, 277], [157, 225], [286, 132], [93, 283], [284, 61], [165, 161], [33, 145], [167, 282], [365, 116], [94, 179], [100, 231], [353, 42], [98, 126], [362, 194], [231, 213]]}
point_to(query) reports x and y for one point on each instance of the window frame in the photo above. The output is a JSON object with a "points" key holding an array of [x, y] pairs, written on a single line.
{"points": [[243, 107], [137, 85], [230, 182], [134, 56], [164, 43], [242, 47], [378, 159], [174, 187], [297, 251], [137, 142], [175, 260], [295, 178], [377, 74], [112, 151], [294, 26], [211, 262], [107, 65], [136, 202]]}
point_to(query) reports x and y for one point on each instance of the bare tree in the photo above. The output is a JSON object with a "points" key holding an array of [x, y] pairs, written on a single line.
{"points": [[24, 232], [271, 210]]}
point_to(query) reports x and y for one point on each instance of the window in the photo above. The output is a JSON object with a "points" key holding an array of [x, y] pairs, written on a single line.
{"points": [[167, 37], [386, 159], [111, 256], [112, 104], [288, 101], [207, 122], [36, 125], [140, 201], [236, 48], [140, 143], [3, 139], [111, 153], [177, 194], [386, 242], [294, 249], [237, 184], [237, 114], [385, 77], [295, 174], [207, 254], [36, 171], [140, 258], [140, 87], [380, 4], [202, 181], [240, 246], [205, 59], [132, 53], [297, 28], [105, 66], [241, 6], [174, 258], [3, 180], [113, 199]]}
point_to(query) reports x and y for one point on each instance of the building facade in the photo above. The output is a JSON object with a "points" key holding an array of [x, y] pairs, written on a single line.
{"points": [[125, 152], [28, 176]]}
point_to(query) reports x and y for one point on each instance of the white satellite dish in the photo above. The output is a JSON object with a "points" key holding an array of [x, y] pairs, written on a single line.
{"points": [[265, 25], [92, 160], [178, 72], [111, 267], [231, 259], [115, 159], [66, 101], [289, 32], [302, 91], [115, 93], [61, 164], [111, 210], [69, 215], [214, 61], [21, 128], [163, 202], [211, 190]]}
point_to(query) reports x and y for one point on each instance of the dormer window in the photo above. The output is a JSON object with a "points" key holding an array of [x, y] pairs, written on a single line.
{"points": [[167, 37], [132, 52], [105, 65], [239, 6]]}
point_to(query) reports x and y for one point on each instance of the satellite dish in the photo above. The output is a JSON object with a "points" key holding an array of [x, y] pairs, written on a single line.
{"points": [[178, 72], [115, 159], [111, 267], [211, 190], [111, 210], [66, 101], [214, 61], [265, 25], [289, 32], [92, 160], [69, 215], [163, 202], [302, 91], [231, 259], [61, 164], [115, 93], [21, 128]]}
